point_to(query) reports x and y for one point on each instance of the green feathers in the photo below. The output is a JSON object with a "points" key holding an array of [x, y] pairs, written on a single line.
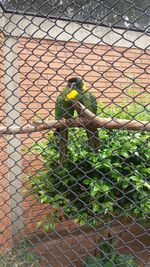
{"points": [[89, 101]]}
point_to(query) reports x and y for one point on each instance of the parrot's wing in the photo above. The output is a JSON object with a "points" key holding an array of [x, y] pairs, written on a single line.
{"points": [[94, 103], [90, 102], [59, 107]]}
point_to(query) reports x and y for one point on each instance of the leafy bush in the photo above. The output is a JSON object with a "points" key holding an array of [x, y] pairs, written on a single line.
{"points": [[113, 182], [129, 111], [109, 257]]}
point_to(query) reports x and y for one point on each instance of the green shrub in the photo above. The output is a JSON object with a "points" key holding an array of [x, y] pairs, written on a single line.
{"points": [[129, 111], [113, 182], [110, 257]]}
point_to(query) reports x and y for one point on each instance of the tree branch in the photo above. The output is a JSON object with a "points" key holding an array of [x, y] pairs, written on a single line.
{"points": [[110, 123], [39, 126], [86, 118]]}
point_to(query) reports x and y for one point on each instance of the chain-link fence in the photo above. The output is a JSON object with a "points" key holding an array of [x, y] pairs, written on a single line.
{"points": [[75, 143]]}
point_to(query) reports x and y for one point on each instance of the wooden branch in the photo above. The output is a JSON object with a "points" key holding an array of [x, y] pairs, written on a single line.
{"points": [[40, 126], [87, 118], [110, 123]]}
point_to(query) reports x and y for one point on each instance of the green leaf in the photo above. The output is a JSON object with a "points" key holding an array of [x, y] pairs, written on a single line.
{"points": [[109, 264], [87, 181], [38, 224], [124, 154], [45, 199], [147, 185], [52, 224], [134, 178], [57, 197], [46, 227], [108, 206], [147, 170], [96, 207], [82, 222]]}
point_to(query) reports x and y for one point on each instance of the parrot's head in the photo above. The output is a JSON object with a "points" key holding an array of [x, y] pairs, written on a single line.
{"points": [[76, 83]]}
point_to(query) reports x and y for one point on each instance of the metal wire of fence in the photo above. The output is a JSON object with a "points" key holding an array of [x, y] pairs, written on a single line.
{"points": [[74, 171]]}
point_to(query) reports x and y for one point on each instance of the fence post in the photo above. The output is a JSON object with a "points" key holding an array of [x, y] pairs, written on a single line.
{"points": [[14, 142]]}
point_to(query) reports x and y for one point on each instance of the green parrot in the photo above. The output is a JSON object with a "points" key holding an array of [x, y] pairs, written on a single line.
{"points": [[64, 109], [75, 90]]}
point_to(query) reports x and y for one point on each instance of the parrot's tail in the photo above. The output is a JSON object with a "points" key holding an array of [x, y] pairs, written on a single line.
{"points": [[63, 133], [93, 138]]}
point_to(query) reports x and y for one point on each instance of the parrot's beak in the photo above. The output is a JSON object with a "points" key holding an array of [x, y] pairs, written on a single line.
{"points": [[73, 85]]}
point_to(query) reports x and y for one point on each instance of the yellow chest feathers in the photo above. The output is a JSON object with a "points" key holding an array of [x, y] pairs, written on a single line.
{"points": [[72, 95]]}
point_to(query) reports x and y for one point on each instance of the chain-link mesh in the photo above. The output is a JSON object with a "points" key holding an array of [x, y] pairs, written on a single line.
{"points": [[75, 143]]}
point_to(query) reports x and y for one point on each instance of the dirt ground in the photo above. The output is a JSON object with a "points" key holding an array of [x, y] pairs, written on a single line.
{"points": [[68, 248]]}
